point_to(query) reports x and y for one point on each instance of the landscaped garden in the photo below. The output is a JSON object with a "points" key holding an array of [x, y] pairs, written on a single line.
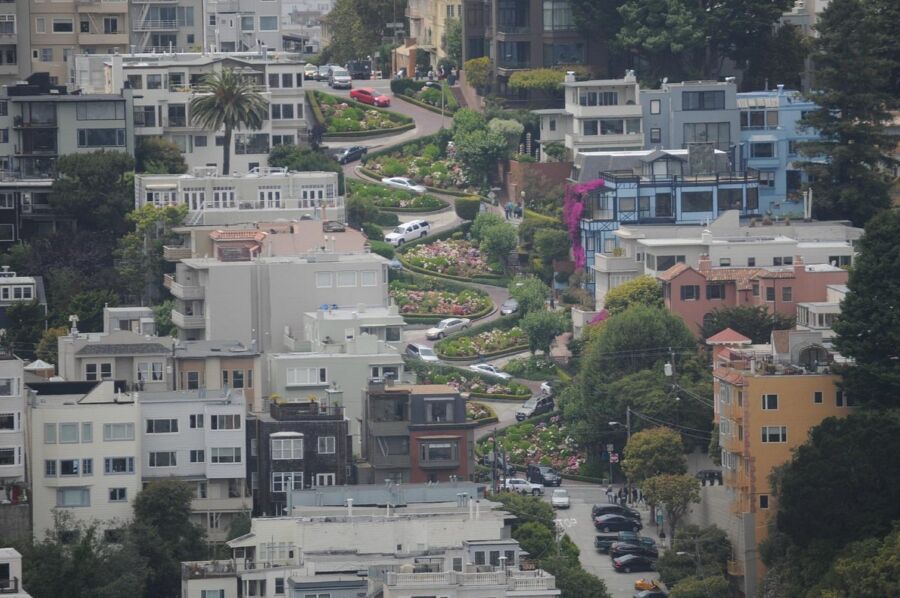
{"points": [[476, 385], [422, 296], [426, 162], [342, 115], [495, 341], [395, 200], [547, 442], [479, 412], [451, 257], [430, 95], [533, 367]]}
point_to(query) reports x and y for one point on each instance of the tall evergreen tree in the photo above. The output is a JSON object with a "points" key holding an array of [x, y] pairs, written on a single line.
{"points": [[857, 60]]}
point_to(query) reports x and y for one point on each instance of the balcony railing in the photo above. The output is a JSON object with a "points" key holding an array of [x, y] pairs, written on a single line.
{"points": [[183, 291], [9, 586], [512, 579], [176, 253], [155, 25], [604, 262], [187, 322], [748, 176]]}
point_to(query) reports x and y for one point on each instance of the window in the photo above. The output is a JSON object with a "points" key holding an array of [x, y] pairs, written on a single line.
{"points": [[212, 593], [438, 451], [697, 201], [95, 371], [282, 111], [307, 376], [724, 262], [225, 455], [150, 371], [282, 140], [68, 433], [247, 24], [101, 137], [598, 98], [787, 294], [324, 280], [237, 379], [251, 143], [268, 24], [769, 402], [279, 581], [287, 448], [144, 116], [68, 467], [773, 434], [655, 135], [9, 421], [197, 456], [4, 135], [50, 469], [792, 147], [162, 426], [552, 124], [163, 459], [557, 15], [842, 261], [196, 421], [690, 292], [346, 279], [770, 293], [40, 25], [717, 133], [839, 398], [282, 481], [763, 501], [87, 467], [100, 110], [225, 422], [49, 433], [73, 497], [664, 262], [655, 107], [193, 383], [817, 397], [325, 479], [63, 26], [110, 25], [46, 54], [87, 432], [326, 445], [115, 432], [703, 100], [715, 291], [368, 278], [113, 465], [762, 150], [767, 178]]}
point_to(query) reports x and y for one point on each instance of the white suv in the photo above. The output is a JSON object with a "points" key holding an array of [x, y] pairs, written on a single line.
{"points": [[408, 231]]}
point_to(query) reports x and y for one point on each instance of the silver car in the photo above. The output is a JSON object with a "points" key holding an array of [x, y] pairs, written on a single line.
{"points": [[510, 306], [404, 183], [489, 370], [447, 326]]}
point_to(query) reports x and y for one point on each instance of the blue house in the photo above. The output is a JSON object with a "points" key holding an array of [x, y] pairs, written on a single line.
{"points": [[693, 185], [769, 136]]}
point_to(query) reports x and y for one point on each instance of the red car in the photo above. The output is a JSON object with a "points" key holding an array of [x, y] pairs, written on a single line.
{"points": [[367, 95]]}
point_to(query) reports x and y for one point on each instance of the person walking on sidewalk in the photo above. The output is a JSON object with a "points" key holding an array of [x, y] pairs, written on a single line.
{"points": [[609, 494]]}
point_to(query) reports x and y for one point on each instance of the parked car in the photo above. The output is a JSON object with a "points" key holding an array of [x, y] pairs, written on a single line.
{"points": [[613, 509], [501, 463], [617, 523], [646, 584], [549, 388], [522, 486], [510, 306], [622, 548], [656, 593], [349, 154], [709, 476], [408, 231], [423, 352], [395, 265], [339, 78], [333, 226], [324, 72], [633, 562], [560, 499], [489, 370], [447, 326], [543, 474], [310, 71], [404, 183], [603, 542], [533, 407], [367, 95]]}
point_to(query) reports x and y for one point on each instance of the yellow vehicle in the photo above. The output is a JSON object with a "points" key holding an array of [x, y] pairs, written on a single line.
{"points": [[646, 584]]}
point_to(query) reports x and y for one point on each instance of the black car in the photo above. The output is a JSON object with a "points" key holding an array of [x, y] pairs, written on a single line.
{"points": [[651, 594], [535, 406], [603, 542], [617, 523], [349, 154], [613, 509], [333, 226], [543, 474], [622, 548], [710, 477], [633, 562]]}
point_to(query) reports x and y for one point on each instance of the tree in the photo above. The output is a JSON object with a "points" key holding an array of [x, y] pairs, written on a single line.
{"points": [[297, 159], [695, 551], [466, 120], [48, 347], [665, 34], [701, 587], [162, 318], [478, 71], [780, 58], [675, 493], [453, 41], [868, 330], [643, 290], [231, 101], [347, 29], [26, 323], [479, 152], [158, 156], [530, 292], [866, 568], [164, 534], [756, 323], [654, 452], [551, 244], [542, 327], [510, 130], [88, 306], [359, 210], [139, 253], [556, 151], [498, 241], [856, 61], [597, 17], [96, 190], [482, 222]]}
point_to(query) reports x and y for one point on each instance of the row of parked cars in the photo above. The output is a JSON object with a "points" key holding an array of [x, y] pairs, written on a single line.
{"points": [[629, 551]]}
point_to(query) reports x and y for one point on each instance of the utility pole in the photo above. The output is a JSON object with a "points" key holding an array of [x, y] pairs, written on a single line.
{"points": [[494, 464]]}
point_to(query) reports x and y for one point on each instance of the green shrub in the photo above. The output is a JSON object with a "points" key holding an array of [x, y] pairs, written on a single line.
{"points": [[383, 249], [387, 219], [432, 153], [467, 208], [457, 236], [406, 86], [431, 96], [372, 231], [393, 167]]}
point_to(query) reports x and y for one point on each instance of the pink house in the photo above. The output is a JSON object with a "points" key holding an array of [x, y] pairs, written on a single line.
{"points": [[694, 294]]}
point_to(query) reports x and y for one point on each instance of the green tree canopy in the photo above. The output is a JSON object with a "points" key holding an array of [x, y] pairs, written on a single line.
{"points": [[701, 587], [498, 240], [869, 329], [654, 452], [96, 190], [466, 120], [551, 244], [158, 156], [25, 328], [542, 327], [530, 292], [695, 551], [643, 290], [482, 222], [754, 322], [453, 40], [510, 130], [674, 493], [88, 306], [478, 71], [139, 254], [867, 568], [479, 151]]}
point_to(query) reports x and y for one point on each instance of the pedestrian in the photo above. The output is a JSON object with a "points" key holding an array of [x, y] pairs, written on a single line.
{"points": [[518, 210], [609, 494], [634, 495], [508, 209], [431, 74]]}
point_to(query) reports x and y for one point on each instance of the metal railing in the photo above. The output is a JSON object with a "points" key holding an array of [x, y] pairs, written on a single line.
{"points": [[155, 25]]}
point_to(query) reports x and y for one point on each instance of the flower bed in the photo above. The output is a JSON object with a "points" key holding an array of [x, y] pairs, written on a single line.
{"points": [[547, 442], [479, 412], [341, 115], [426, 164], [451, 257], [425, 298], [489, 342], [398, 200], [532, 368], [472, 383]]}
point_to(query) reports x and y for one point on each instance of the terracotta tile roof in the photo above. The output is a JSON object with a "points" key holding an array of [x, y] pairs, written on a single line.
{"points": [[674, 272], [729, 376], [775, 273], [781, 341], [237, 235], [728, 337], [740, 276]]}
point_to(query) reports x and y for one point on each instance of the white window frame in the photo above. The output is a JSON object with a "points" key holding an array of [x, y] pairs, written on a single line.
{"points": [[153, 459], [328, 447], [326, 479], [226, 422], [346, 279], [781, 432], [285, 449], [151, 425], [324, 280], [282, 480], [218, 453], [307, 376], [127, 427]]}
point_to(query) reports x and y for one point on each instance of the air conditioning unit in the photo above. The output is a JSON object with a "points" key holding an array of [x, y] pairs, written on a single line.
{"points": [[26, 202]]}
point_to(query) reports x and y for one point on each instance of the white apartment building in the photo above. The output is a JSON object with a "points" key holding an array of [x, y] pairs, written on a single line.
{"points": [[243, 25], [11, 574], [652, 249], [599, 115], [13, 432], [165, 84], [199, 437], [85, 454], [174, 26], [265, 193], [819, 316]]}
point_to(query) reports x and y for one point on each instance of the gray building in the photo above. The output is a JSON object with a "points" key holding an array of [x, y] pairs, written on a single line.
{"points": [[243, 25], [691, 112], [166, 27], [13, 425]]}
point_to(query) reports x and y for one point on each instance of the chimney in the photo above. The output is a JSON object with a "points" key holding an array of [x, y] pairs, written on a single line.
{"points": [[704, 263], [706, 237], [799, 266], [570, 77]]}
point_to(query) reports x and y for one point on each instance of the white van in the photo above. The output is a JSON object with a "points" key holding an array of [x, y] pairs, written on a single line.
{"points": [[408, 231]]}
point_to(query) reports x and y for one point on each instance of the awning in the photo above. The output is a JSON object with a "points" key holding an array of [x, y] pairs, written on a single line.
{"points": [[160, 186]]}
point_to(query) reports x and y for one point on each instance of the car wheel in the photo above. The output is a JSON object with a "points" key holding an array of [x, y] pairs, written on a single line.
{"points": [[627, 569], [400, 242], [606, 530], [635, 529], [423, 234], [535, 492]]}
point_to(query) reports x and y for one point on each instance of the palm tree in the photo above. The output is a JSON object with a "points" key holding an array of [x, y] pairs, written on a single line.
{"points": [[228, 100]]}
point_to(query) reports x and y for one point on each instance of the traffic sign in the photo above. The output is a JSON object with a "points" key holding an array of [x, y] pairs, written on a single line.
{"points": [[614, 457]]}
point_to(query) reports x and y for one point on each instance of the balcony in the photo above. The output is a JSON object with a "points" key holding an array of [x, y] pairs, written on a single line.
{"points": [[614, 111], [208, 569], [102, 6], [181, 291], [34, 123], [390, 461], [222, 505], [155, 25], [176, 253], [188, 322], [9, 586], [605, 262]]}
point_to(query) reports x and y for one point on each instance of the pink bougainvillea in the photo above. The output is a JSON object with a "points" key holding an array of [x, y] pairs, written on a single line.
{"points": [[600, 317], [573, 208]]}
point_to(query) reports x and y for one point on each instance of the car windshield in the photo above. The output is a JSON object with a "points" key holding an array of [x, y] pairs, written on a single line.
{"points": [[546, 470], [399, 230], [425, 351], [532, 402], [339, 72], [559, 493]]}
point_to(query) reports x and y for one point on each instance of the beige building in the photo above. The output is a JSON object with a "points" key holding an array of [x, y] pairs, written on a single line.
{"points": [[428, 23]]}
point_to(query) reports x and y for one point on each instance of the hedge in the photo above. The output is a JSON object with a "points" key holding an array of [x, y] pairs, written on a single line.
{"points": [[532, 215], [407, 122], [351, 135], [485, 356], [419, 367], [382, 248], [448, 110], [503, 323], [443, 285], [494, 281], [468, 208]]}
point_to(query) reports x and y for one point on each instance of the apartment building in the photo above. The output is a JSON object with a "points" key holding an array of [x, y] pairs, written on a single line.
{"points": [[767, 398], [219, 365], [416, 433], [85, 455], [263, 194], [599, 115], [677, 186], [244, 25], [428, 23], [295, 446], [166, 83], [159, 27], [693, 294], [199, 437], [13, 433], [526, 34], [140, 320], [15, 33], [302, 25], [651, 249], [678, 114], [15, 289], [819, 316], [11, 574]]}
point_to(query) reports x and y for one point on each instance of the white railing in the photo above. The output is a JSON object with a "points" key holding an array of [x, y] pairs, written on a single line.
{"points": [[155, 25], [547, 582]]}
